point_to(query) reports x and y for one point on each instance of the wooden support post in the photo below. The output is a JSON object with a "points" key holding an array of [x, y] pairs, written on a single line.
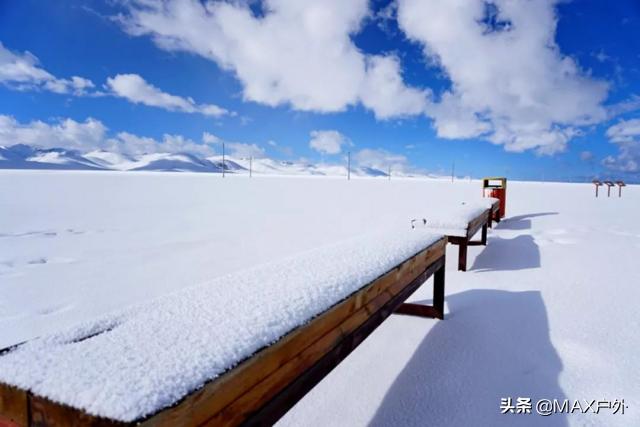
{"points": [[483, 239], [462, 255], [429, 311], [438, 291]]}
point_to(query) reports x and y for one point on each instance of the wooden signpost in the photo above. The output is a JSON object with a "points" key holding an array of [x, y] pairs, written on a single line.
{"points": [[620, 184], [597, 184], [609, 184]]}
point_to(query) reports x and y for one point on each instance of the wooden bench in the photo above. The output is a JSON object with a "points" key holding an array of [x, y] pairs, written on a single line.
{"points": [[481, 222], [262, 388]]}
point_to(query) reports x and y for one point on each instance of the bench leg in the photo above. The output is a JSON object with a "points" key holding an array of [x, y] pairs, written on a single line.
{"points": [[483, 240], [430, 311], [438, 292], [462, 255]]}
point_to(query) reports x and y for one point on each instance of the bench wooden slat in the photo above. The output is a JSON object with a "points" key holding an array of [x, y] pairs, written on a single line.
{"points": [[14, 405]]}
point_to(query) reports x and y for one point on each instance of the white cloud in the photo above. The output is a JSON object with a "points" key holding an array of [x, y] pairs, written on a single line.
{"points": [[92, 135], [381, 159], [284, 150], [65, 133], [134, 145], [586, 156], [627, 160], [509, 81], [130, 144], [179, 143], [327, 141], [385, 93], [626, 135], [243, 150], [624, 131], [630, 104], [209, 138], [23, 72], [135, 89], [235, 149], [299, 53]]}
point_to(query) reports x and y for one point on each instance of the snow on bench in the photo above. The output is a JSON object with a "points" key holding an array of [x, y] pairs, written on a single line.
{"points": [[132, 364], [460, 223]]}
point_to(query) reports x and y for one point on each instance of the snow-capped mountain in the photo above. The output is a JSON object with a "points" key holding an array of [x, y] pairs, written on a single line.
{"points": [[23, 156]]}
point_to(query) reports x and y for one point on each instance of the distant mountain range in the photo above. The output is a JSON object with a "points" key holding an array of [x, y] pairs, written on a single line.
{"points": [[23, 156]]}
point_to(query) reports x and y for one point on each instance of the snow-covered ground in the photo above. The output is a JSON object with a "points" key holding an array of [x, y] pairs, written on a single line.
{"points": [[547, 310]]}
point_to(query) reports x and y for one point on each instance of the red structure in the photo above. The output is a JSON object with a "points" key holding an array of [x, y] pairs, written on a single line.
{"points": [[496, 187]]}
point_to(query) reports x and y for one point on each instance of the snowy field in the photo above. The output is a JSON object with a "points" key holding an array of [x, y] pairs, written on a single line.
{"points": [[547, 310]]}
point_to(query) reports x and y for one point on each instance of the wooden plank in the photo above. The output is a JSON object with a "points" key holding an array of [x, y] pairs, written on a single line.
{"points": [[477, 223], [419, 310], [242, 408], [14, 406], [44, 412], [217, 394], [294, 390]]}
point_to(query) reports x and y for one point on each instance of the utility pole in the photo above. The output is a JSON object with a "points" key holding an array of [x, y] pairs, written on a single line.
{"points": [[250, 166], [453, 170], [223, 159], [348, 165]]}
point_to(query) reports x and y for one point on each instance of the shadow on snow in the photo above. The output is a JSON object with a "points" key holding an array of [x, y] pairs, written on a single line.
{"points": [[494, 344], [518, 253], [520, 222], [500, 254]]}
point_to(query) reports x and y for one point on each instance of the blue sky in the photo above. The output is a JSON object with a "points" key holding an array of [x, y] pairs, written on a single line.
{"points": [[495, 87]]}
